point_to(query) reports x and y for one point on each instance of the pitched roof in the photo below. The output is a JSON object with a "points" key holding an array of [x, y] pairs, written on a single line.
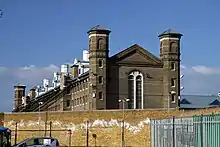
{"points": [[132, 48], [215, 102], [55, 96], [199, 101], [184, 101]]}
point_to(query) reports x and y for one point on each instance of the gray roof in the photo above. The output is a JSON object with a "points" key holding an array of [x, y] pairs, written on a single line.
{"points": [[82, 61], [199, 101], [98, 27], [170, 32]]}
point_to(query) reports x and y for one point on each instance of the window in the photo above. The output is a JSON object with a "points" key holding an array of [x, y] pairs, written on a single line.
{"points": [[161, 47], [131, 92], [90, 42], [100, 96], [81, 100], [138, 92], [172, 82], [173, 98], [173, 47], [78, 101], [100, 63], [67, 103], [135, 90], [86, 99], [100, 79], [172, 66], [100, 43], [68, 90]]}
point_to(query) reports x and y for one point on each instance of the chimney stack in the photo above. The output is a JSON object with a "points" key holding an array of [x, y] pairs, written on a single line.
{"points": [[75, 69], [18, 94], [32, 93], [26, 100]]}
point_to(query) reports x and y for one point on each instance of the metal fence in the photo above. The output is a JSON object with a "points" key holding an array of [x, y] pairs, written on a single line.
{"points": [[21, 134], [195, 131], [65, 136]]}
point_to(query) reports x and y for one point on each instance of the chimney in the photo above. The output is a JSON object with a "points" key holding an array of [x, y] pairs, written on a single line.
{"points": [[26, 100], [64, 75], [46, 84], [32, 93], [75, 69], [64, 80], [18, 94]]}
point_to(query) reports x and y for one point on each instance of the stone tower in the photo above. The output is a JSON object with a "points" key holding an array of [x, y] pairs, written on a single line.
{"points": [[170, 56], [18, 94], [98, 64]]}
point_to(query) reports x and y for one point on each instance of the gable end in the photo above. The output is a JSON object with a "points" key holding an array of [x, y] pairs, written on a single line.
{"points": [[136, 49]]}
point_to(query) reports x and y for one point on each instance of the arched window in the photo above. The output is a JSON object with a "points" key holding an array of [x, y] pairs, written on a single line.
{"points": [[135, 90], [90, 42], [173, 47], [100, 43], [161, 47]]}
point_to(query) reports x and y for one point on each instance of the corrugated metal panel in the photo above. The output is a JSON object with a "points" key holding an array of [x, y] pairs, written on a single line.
{"points": [[196, 131]]}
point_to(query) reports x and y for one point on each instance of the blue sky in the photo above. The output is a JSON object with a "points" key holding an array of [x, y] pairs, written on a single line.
{"points": [[43, 34]]}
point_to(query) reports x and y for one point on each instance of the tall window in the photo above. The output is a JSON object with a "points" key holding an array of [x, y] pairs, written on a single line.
{"points": [[100, 63], [173, 47], [100, 79], [100, 43], [135, 90], [173, 66], [173, 98], [172, 82], [138, 92], [100, 95], [67, 103], [131, 92]]}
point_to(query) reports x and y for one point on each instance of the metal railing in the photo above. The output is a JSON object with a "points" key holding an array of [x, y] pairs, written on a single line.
{"points": [[195, 131]]}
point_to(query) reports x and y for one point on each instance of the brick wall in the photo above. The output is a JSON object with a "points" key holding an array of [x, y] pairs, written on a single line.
{"points": [[105, 124]]}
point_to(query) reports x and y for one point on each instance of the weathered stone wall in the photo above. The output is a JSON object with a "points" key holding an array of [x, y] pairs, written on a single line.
{"points": [[105, 124]]}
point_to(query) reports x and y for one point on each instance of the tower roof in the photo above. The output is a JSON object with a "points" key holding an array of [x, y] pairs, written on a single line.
{"points": [[170, 32], [20, 85], [99, 28]]}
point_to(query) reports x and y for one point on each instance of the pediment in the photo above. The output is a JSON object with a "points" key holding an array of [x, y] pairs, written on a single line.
{"points": [[136, 54]]}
